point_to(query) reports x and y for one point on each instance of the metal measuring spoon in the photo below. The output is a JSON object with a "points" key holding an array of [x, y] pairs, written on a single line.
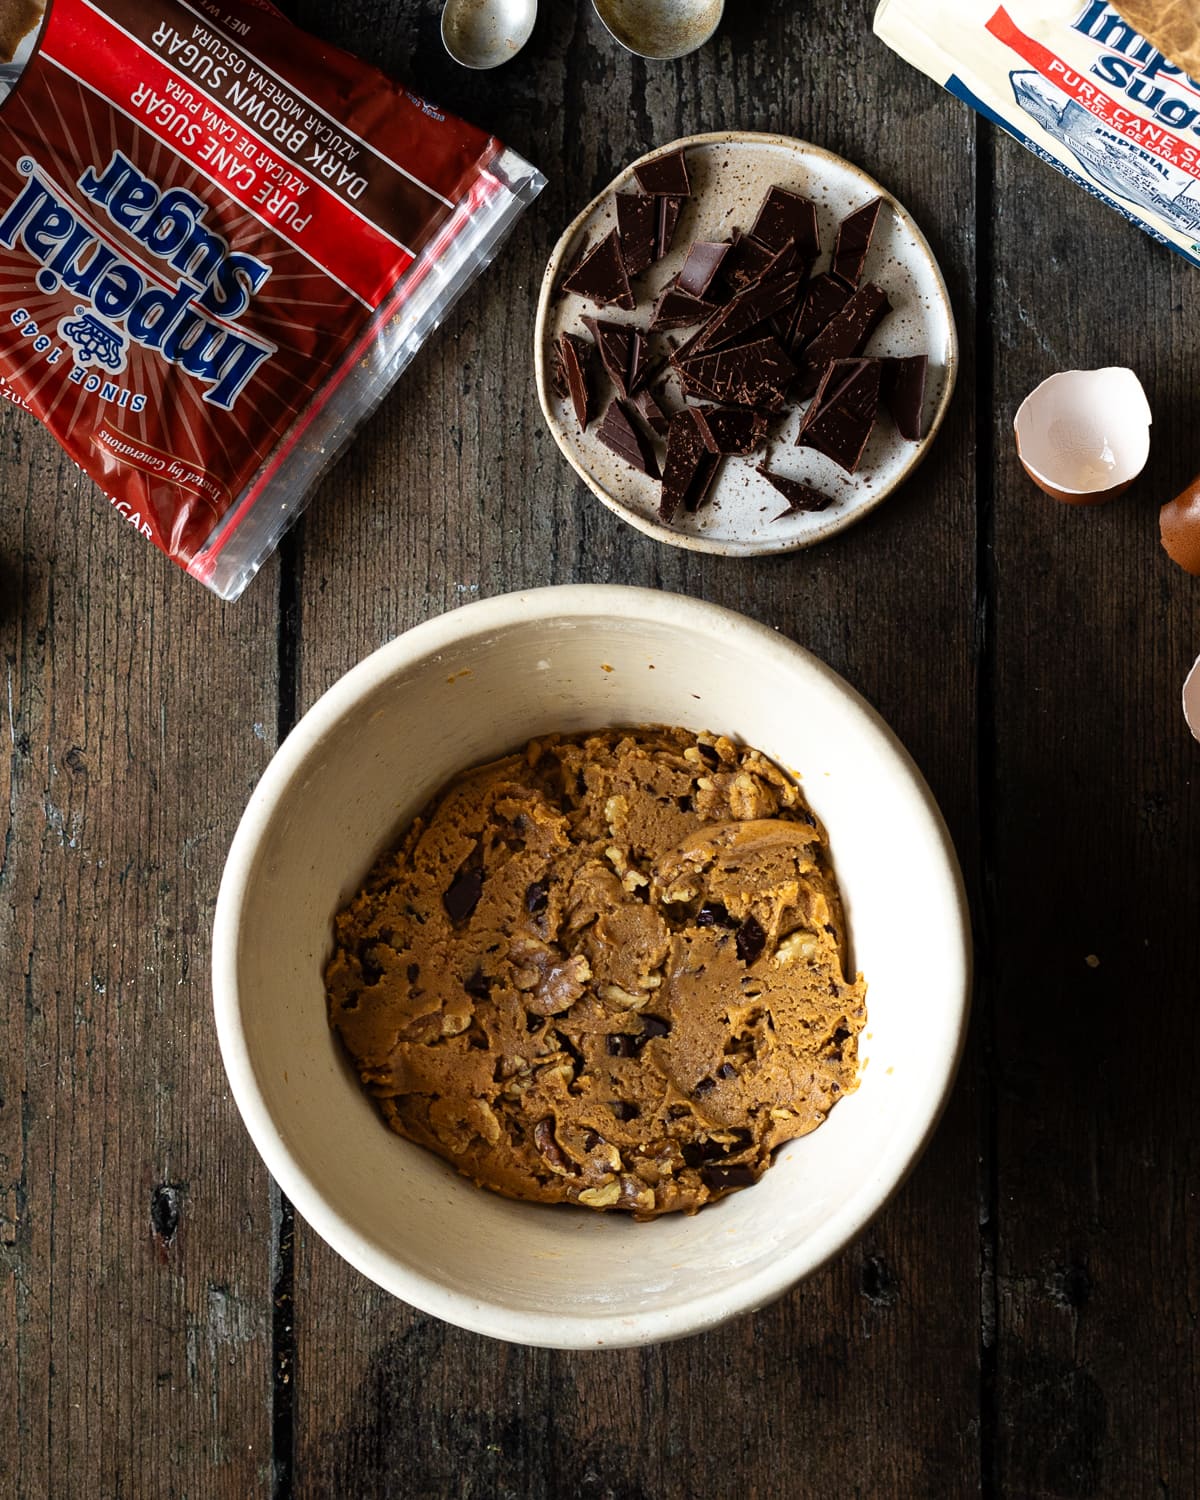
{"points": [[486, 33], [661, 29]]}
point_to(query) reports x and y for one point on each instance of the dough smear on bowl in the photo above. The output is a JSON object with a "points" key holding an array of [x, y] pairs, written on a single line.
{"points": [[606, 970]]}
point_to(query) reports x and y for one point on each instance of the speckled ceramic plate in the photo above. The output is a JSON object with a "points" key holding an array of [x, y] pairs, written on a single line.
{"points": [[730, 174]]}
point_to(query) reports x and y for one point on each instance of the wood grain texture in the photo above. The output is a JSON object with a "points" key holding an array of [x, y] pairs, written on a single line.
{"points": [[456, 491], [134, 1235], [1097, 816]]}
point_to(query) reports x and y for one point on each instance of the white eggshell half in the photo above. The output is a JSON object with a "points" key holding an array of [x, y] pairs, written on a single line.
{"points": [[1191, 699], [1085, 432]]}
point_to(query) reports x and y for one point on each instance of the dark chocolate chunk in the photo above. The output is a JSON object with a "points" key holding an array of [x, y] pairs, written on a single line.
{"points": [[414, 973], [601, 276], [904, 393], [701, 266], [854, 237], [690, 466], [591, 1140], [761, 300], [824, 297], [843, 337], [477, 986], [665, 176], [719, 1179], [653, 1026], [676, 308], [704, 1086], [537, 896], [735, 432], [463, 896], [571, 354], [788, 216], [622, 350], [755, 374], [714, 914], [637, 224], [623, 1110], [669, 210], [621, 1044], [845, 418], [647, 407], [750, 939], [841, 382], [697, 1153], [799, 496], [746, 261], [619, 432], [726, 1071]]}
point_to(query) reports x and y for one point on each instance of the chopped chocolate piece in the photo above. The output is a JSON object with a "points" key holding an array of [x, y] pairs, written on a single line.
{"points": [[799, 497], [571, 360], [756, 374], [647, 407], [676, 308], [844, 420], [653, 1026], [622, 352], [732, 433], [854, 237], [904, 393], [690, 466], [750, 939], [627, 441], [537, 896], [665, 176], [701, 266], [840, 382], [601, 276], [761, 300], [669, 210], [623, 1110], [844, 336], [637, 224], [746, 261], [823, 299], [719, 1179], [787, 216], [463, 896]]}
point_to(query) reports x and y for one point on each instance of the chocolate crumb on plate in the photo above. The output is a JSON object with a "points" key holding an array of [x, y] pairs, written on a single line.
{"points": [[601, 276], [621, 433]]}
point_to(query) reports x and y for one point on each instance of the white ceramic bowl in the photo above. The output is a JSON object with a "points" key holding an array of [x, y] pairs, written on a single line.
{"points": [[458, 690]]}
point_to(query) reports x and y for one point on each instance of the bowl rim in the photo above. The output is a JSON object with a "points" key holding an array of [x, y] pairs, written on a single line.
{"points": [[649, 525], [382, 1265]]}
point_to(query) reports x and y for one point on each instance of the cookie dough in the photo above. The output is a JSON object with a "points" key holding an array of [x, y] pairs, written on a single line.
{"points": [[607, 970]]}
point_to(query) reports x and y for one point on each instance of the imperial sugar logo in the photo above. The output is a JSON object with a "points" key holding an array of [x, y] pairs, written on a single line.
{"points": [[1139, 70], [187, 318]]}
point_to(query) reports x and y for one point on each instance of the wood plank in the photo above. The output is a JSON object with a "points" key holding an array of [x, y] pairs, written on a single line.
{"points": [[1097, 819], [457, 490], [134, 1221]]}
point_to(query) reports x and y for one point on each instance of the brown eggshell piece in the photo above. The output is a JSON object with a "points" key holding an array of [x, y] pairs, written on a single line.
{"points": [[1179, 528]]}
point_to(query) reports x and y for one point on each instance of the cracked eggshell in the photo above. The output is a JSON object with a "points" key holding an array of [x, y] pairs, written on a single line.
{"points": [[1191, 699], [1179, 528], [1083, 436]]}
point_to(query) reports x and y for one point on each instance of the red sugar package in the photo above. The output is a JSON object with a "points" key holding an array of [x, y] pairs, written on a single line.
{"points": [[221, 241]]}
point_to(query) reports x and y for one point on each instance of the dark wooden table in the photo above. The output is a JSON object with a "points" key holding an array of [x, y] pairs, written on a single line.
{"points": [[1023, 1319]]}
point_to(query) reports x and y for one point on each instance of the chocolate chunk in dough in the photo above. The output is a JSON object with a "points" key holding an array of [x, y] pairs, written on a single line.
{"points": [[676, 308], [701, 266], [733, 433], [799, 496], [601, 276], [788, 216], [637, 224], [854, 236], [462, 896], [619, 432], [622, 352], [904, 393], [613, 1050], [665, 176], [843, 337], [571, 361], [690, 466]]}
